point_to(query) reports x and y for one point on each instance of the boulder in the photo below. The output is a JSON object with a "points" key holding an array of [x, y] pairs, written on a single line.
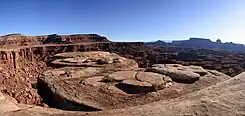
{"points": [[157, 80], [177, 72]]}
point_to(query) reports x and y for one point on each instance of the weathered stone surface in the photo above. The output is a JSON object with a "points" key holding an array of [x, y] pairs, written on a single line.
{"points": [[7, 105], [72, 72], [133, 86], [114, 89], [95, 59], [74, 60], [157, 80], [136, 83], [221, 99], [177, 72], [94, 81], [120, 75]]}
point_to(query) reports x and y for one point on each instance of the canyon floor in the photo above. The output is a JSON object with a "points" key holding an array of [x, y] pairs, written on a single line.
{"points": [[117, 78]]}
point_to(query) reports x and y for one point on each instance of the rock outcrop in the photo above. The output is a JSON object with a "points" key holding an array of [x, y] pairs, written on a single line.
{"points": [[77, 38], [13, 40], [223, 98], [179, 73], [116, 85], [20, 66], [110, 61], [111, 82]]}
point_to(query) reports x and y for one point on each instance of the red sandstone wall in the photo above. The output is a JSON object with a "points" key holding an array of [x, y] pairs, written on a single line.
{"points": [[14, 57]]}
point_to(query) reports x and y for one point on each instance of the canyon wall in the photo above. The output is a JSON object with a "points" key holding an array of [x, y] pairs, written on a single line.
{"points": [[14, 57]]}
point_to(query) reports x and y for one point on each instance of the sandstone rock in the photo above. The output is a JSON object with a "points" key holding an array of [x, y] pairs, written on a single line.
{"points": [[114, 89], [178, 73], [6, 105], [218, 100], [157, 80], [58, 72], [95, 59], [75, 60], [71, 72], [107, 60], [134, 87], [200, 102], [198, 69], [94, 81], [120, 75]]}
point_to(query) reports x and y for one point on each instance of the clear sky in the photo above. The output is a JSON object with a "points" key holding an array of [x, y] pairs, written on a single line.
{"points": [[127, 20]]}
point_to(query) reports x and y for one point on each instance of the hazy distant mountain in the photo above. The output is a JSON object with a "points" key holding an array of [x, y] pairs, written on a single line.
{"points": [[201, 43]]}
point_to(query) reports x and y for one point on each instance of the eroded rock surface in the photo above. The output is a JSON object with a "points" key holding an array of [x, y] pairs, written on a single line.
{"points": [[133, 92], [113, 85], [120, 76], [159, 81], [179, 73], [224, 98], [107, 60]]}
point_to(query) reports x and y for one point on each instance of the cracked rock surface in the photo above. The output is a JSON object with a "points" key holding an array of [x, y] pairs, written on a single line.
{"points": [[115, 85], [112, 89]]}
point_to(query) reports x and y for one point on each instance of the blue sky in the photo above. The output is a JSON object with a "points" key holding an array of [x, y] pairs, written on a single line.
{"points": [[127, 20]]}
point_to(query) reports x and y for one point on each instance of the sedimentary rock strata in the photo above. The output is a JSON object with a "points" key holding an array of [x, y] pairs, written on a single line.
{"points": [[113, 85], [223, 98], [99, 80], [95, 59], [179, 73]]}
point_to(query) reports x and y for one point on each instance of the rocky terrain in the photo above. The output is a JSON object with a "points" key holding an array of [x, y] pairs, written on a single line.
{"points": [[230, 63], [163, 89], [89, 75]]}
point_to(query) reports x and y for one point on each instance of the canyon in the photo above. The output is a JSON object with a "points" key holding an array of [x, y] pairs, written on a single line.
{"points": [[60, 74]]}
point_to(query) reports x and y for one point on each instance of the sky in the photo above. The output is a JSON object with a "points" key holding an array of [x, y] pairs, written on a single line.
{"points": [[127, 20]]}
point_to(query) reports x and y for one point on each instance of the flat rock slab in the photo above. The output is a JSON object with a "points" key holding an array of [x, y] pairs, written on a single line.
{"points": [[84, 87], [120, 76], [71, 72], [157, 80], [95, 54], [177, 72], [222, 99], [94, 81], [75, 60], [94, 59], [133, 86]]}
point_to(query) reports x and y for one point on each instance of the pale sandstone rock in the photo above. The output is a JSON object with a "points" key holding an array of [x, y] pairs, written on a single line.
{"points": [[94, 81], [177, 72], [120, 75], [116, 90], [133, 86], [95, 59], [157, 80]]}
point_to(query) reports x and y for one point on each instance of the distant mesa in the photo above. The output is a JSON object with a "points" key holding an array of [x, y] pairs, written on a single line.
{"points": [[19, 39], [201, 43]]}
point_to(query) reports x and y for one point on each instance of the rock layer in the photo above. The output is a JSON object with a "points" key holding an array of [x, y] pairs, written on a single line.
{"points": [[93, 87], [179, 73]]}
